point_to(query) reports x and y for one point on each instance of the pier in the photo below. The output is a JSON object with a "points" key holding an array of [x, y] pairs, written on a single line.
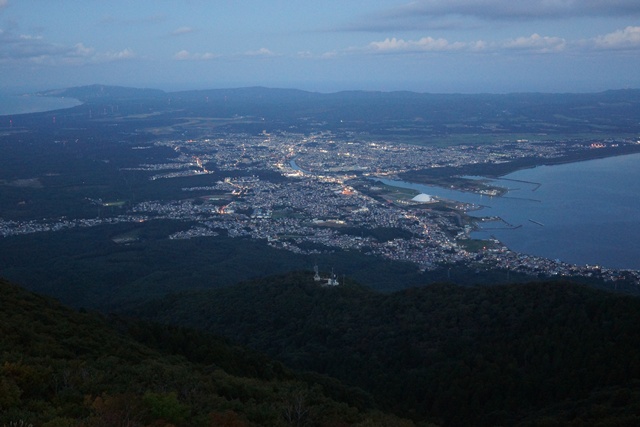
{"points": [[536, 184]]}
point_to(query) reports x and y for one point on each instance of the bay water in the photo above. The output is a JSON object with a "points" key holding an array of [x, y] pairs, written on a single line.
{"points": [[582, 213], [23, 104]]}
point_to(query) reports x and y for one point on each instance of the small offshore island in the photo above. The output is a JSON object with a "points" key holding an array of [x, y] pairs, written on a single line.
{"points": [[303, 176]]}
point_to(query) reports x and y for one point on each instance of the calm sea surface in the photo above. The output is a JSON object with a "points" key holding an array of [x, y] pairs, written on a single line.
{"points": [[581, 213], [21, 104]]}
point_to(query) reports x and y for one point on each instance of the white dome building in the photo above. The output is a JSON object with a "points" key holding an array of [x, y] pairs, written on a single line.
{"points": [[423, 198]]}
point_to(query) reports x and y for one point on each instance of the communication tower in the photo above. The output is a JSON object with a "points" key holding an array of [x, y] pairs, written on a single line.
{"points": [[316, 277]]}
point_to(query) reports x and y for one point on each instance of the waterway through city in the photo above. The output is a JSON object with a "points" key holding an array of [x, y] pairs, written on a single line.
{"points": [[582, 213]]}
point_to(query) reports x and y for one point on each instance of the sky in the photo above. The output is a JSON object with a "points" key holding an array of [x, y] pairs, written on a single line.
{"points": [[438, 46]]}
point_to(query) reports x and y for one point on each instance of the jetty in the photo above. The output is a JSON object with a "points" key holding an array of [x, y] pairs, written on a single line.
{"points": [[536, 184]]}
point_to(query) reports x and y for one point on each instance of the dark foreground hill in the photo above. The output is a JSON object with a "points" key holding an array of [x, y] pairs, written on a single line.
{"points": [[62, 368], [535, 354]]}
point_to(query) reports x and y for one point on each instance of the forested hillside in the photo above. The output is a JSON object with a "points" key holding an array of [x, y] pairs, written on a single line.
{"points": [[532, 354], [550, 353], [61, 368]]}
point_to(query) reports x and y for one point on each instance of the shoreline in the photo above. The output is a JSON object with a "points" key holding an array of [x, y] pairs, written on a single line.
{"points": [[512, 167], [630, 149], [481, 227]]}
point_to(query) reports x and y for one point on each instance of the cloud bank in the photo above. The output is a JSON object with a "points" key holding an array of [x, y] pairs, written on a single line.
{"points": [[182, 31], [425, 44], [24, 48], [185, 55], [452, 14], [517, 9], [537, 43], [625, 39]]}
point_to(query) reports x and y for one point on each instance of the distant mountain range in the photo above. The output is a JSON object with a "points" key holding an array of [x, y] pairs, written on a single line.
{"points": [[603, 112], [86, 93]]}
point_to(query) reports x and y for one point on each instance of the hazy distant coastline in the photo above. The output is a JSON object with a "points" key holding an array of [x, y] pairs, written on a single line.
{"points": [[24, 104]]}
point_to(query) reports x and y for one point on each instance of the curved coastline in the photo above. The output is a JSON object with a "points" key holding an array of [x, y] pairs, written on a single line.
{"points": [[584, 156], [589, 220], [603, 239]]}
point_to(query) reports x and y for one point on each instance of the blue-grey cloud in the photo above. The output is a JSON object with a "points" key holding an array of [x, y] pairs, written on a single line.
{"points": [[185, 55], [533, 44], [626, 39], [517, 9], [182, 31], [263, 51], [537, 44], [16, 49], [19, 47], [425, 44], [452, 14], [111, 56], [386, 22]]}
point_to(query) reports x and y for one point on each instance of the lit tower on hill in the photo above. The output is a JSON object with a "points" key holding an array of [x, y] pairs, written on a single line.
{"points": [[330, 281]]}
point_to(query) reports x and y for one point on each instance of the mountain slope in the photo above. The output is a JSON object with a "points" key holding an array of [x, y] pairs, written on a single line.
{"points": [[459, 356], [63, 368]]}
